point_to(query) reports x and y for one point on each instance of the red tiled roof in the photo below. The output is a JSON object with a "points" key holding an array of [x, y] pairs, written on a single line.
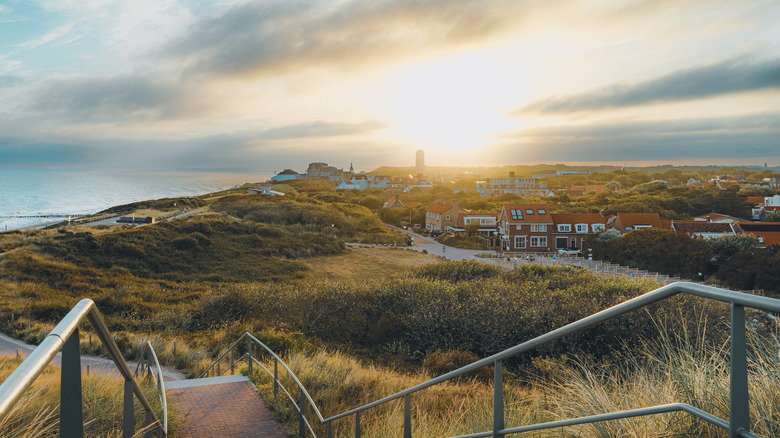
{"points": [[535, 218], [633, 219], [770, 231], [413, 203], [755, 200], [440, 207]]}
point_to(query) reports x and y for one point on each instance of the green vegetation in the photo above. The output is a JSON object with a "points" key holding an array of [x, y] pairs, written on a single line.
{"points": [[731, 261]]}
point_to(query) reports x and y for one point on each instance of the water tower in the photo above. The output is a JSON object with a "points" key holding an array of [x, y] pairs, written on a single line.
{"points": [[420, 162]]}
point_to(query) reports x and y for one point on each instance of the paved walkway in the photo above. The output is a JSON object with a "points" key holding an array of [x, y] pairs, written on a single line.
{"points": [[436, 248], [221, 407]]}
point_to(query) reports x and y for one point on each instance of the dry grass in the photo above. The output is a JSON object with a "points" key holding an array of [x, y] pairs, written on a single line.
{"points": [[366, 264], [37, 413]]}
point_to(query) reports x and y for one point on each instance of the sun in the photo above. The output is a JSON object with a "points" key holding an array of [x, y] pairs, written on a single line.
{"points": [[456, 102]]}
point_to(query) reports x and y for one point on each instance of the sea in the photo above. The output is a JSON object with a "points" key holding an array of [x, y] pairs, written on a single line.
{"points": [[64, 192]]}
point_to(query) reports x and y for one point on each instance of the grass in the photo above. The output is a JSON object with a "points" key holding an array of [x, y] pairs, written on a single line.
{"points": [[366, 263], [674, 368], [37, 413]]}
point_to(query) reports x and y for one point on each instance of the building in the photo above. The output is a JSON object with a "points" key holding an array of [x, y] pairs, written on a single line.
{"points": [[587, 188], [441, 215], [485, 224], [395, 202], [420, 162], [525, 227], [625, 222], [286, 175], [767, 233], [328, 173], [718, 218], [353, 184], [705, 230], [264, 190], [527, 186], [569, 231]]}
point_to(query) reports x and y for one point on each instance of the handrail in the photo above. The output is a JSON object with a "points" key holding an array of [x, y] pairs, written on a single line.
{"points": [[158, 378], [739, 420], [65, 337]]}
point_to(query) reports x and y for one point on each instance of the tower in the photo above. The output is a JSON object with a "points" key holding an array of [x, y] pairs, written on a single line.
{"points": [[420, 162]]}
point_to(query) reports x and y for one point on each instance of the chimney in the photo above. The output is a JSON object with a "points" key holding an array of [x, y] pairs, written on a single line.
{"points": [[455, 203], [511, 174]]}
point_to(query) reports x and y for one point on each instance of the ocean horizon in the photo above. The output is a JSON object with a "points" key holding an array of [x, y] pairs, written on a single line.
{"points": [[61, 191]]}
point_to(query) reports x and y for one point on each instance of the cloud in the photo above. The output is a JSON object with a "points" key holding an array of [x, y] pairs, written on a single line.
{"points": [[257, 37], [733, 76], [319, 129], [727, 137], [111, 98], [55, 34]]}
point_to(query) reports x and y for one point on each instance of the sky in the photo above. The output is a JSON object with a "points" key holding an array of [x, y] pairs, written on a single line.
{"points": [[268, 85]]}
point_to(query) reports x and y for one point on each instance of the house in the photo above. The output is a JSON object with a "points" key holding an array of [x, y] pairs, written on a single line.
{"points": [[762, 205], [625, 222], [767, 233], [378, 181], [441, 215], [718, 218], [703, 229], [569, 231], [286, 175], [525, 227], [486, 224], [264, 190], [699, 184], [353, 184], [395, 202], [529, 186], [328, 173]]}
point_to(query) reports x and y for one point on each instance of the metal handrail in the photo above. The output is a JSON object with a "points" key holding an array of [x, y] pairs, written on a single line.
{"points": [[65, 337], [739, 419], [158, 378]]}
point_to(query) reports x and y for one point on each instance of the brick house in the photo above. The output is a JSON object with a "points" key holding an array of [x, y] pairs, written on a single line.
{"points": [[569, 231], [767, 233], [441, 215], [525, 227]]}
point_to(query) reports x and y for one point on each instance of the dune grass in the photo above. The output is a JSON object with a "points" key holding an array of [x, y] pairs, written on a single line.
{"points": [[366, 263], [37, 413], [673, 368]]}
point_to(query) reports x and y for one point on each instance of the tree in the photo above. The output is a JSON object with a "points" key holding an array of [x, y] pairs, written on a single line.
{"points": [[772, 217]]}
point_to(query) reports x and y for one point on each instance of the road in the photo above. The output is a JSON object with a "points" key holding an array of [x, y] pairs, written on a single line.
{"points": [[434, 247], [9, 347]]}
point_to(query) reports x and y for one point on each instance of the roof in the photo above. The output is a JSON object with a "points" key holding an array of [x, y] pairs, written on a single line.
{"points": [[288, 172], [694, 227], [755, 200], [770, 231], [589, 187], [535, 217], [578, 218], [634, 219], [440, 207]]}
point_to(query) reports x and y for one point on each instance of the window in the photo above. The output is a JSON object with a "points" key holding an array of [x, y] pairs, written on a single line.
{"points": [[629, 228], [564, 228], [542, 211], [597, 228], [517, 215], [560, 242], [582, 228], [761, 239], [520, 241], [537, 241], [446, 218], [529, 211], [538, 228]]}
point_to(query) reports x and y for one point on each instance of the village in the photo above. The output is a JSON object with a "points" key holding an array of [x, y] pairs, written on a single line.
{"points": [[535, 227]]}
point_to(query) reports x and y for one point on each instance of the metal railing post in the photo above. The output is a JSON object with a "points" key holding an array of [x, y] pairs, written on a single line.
{"points": [[330, 429], [249, 358], [71, 411], [357, 424], [498, 399], [407, 417], [219, 372], [147, 422], [128, 417], [232, 362], [276, 376], [739, 412], [301, 411]]}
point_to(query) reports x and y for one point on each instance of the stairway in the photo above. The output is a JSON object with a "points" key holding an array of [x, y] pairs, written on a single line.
{"points": [[226, 407]]}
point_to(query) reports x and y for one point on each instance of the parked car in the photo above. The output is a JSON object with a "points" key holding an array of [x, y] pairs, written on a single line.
{"points": [[569, 251]]}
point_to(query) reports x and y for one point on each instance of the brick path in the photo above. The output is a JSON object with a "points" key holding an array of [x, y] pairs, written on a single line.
{"points": [[224, 407]]}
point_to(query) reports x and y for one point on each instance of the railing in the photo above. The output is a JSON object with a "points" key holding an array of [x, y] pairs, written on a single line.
{"points": [[65, 337], [738, 424], [148, 354]]}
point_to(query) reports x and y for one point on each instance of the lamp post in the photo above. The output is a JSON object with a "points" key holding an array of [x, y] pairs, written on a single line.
{"points": [[590, 254]]}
